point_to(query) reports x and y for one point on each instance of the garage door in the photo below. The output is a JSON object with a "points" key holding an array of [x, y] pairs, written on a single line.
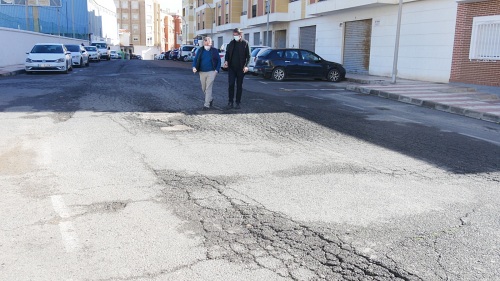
{"points": [[357, 43], [308, 38], [280, 39]]}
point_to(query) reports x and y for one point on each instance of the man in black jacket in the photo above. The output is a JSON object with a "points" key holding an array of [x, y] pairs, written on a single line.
{"points": [[237, 60]]}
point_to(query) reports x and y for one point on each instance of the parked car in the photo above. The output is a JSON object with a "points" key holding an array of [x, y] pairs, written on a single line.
{"points": [[136, 57], [80, 57], [167, 55], [48, 57], [94, 54], [222, 52], [253, 57], [174, 55], [192, 55], [184, 52], [115, 55], [279, 64], [103, 49]]}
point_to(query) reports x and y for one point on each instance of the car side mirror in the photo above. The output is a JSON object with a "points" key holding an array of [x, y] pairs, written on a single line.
{"points": [[68, 53], [82, 52], [28, 53]]}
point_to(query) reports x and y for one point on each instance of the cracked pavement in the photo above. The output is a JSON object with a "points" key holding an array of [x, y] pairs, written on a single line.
{"points": [[123, 177]]}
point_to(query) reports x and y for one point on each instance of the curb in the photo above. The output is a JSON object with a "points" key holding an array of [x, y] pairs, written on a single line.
{"points": [[428, 104], [12, 73]]}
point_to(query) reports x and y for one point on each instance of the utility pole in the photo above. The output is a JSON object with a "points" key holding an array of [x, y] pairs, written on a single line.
{"points": [[396, 47], [267, 32], [73, 16], [27, 14]]}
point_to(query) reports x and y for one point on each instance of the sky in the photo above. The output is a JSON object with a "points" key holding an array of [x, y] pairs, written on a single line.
{"points": [[173, 5]]}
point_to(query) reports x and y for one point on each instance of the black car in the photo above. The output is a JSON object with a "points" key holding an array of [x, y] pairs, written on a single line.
{"points": [[279, 64], [174, 55]]}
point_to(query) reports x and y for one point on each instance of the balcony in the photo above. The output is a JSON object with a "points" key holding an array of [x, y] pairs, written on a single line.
{"points": [[262, 20], [332, 6]]}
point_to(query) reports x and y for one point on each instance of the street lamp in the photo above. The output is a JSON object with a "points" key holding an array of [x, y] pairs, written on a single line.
{"points": [[396, 47]]}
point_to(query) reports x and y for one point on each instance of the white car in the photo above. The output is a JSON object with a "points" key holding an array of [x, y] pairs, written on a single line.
{"points": [[79, 55], [94, 54], [253, 57], [48, 57], [115, 55]]}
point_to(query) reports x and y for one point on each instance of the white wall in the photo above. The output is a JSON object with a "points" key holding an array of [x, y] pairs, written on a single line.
{"points": [[147, 52], [426, 44], [16, 43]]}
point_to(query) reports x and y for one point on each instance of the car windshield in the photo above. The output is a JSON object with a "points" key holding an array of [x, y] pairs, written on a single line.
{"points": [[91, 49], [187, 48], [100, 45], [50, 49], [73, 48]]}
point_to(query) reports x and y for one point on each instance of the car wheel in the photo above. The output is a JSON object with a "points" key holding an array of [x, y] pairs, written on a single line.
{"points": [[334, 75], [185, 58], [278, 74]]}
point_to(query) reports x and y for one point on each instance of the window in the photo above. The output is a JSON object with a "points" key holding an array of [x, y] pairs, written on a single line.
{"points": [[124, 4], [135, 5], [254, 11], [309, 56], [135, 39], [135, 28], [135, 16], [219, 20], [292, 54], [124, 26], [485, 40], [149, 19], [149, 30], [125, 16], [227, 18]]}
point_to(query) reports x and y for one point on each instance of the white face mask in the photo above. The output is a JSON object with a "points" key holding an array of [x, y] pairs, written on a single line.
{"points": [[207, 47], [237, 37]]}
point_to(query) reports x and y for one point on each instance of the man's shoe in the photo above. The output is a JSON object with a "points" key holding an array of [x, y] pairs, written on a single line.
{"points": [[229, 105], [211, 103], [237, 106], [206, 108]]}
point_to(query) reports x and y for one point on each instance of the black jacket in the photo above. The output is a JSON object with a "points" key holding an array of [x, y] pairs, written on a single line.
{"points": [[244, 52]]}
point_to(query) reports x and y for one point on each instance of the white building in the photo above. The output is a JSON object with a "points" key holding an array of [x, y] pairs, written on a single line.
{"points": [[102, 21], [360, 34]]}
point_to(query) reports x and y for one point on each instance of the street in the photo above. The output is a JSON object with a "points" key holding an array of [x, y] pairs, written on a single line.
{"points": [[114, 172]]}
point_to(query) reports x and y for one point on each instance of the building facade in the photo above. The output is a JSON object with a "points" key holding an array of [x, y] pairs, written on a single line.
{"points": [[102, 21], [188, 21], [142, 20], [58, 17], [476, 56], [173, 31], [360, 34]]}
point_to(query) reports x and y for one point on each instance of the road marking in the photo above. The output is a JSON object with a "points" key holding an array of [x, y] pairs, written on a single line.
{"points": [[310, 89], [313, 97], [407, 120], [353, 106], [164, 80], [68, 232], [479, 138], [263, 82]]}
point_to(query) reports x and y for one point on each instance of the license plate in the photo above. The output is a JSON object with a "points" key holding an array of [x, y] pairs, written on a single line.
{"points": [[44, 65]]}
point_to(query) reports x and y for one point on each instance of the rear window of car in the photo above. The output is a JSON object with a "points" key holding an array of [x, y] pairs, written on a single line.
{"points": [[100, 45], [73, 48], [255, 52], [187, 48], [92, 49]]}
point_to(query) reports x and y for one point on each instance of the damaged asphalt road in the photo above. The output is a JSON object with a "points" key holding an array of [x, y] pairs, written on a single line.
{"points": [[116, 173]]}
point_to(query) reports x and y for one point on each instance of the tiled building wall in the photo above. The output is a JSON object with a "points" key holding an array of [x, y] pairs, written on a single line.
{"points": [[464, 70]]}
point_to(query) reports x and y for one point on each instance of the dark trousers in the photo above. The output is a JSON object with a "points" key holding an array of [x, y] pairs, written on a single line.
{"points": [[235, 76]]}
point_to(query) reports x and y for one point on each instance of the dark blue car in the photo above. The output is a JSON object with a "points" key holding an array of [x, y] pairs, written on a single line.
{"points": [[279, 64]]}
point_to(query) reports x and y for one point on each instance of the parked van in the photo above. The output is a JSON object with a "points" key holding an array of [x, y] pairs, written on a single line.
{"points": [[103, 48]]}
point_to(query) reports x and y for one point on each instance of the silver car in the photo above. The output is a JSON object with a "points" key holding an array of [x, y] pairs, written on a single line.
{"points": [[94, 54], [48, 57], [79, 55]]}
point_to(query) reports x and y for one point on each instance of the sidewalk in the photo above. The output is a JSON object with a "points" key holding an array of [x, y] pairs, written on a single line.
{"points": [[475, 101], [11, 70]]}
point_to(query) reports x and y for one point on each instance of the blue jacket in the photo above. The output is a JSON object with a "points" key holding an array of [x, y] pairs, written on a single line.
{"points": [[207, 60]]}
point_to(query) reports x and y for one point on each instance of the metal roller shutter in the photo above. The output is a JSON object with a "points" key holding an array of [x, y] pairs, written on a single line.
{"points": [[357, 43], [308, 38]]}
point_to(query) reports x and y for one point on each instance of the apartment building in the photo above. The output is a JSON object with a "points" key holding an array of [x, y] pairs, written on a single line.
{"points": [[188, 21], [173, 31], [142, 19], [476, 54]]}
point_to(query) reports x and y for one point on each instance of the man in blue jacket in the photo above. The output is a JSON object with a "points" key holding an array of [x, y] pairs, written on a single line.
{"points": [[207, 63]]}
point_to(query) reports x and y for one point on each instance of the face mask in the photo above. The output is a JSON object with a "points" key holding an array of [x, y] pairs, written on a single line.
{"points": [[207, 47], [237, 38]]}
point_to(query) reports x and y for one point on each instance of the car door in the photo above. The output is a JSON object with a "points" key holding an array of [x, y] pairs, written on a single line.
{"points": [[291, 59], [310, 64]]}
